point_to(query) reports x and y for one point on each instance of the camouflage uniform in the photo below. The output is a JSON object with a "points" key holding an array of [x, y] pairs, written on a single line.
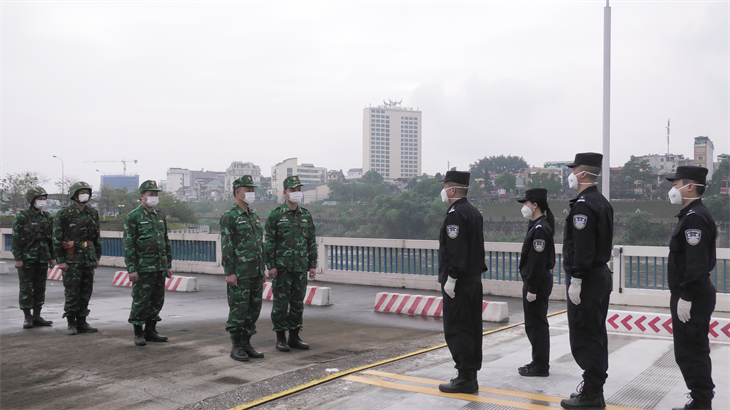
{"points": [[81, 227], [291, 249], [33, 244]]}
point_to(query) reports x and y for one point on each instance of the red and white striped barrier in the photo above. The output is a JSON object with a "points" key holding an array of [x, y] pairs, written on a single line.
{"points": [[659, 324], [315, 295], [55, 274], [432, 306], [175, 283]]}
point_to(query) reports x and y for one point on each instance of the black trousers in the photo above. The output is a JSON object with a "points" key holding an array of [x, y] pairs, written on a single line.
{"points": [[587, 325], [463, 323], [536, 323], [691, 343]]}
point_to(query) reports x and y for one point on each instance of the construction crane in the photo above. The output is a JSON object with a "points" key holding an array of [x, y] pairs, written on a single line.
{"points": [[123, 161]]}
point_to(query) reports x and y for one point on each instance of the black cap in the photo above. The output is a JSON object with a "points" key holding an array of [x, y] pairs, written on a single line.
{"points": [[460, 177], [533, 194], [693, 173], [591, 159]]}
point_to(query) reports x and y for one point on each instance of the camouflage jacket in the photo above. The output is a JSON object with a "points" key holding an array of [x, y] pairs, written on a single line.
{"points": [[73, 224], [290, 240], [33, 237], [242, 243], [146, 244]]}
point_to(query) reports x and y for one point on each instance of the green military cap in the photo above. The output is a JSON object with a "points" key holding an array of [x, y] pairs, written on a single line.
{"points": [[148, 185], [292, 182], [246, 180], [34, 193], [78, 186]]}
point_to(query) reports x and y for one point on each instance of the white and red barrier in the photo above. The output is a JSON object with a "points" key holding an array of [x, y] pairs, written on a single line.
{"points": [[55, 274], [659, 324], [315, 295], [174, 283], [432, 306]]}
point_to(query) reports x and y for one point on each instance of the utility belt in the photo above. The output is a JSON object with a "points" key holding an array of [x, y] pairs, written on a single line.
{"points": [[70, 247]]}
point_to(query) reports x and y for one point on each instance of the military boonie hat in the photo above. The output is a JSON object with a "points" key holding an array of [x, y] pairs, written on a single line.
{"points": [[459, 177], [34, 193], [77, 187], [148, 185], [591, 159], [533, 194], [292, 182], [691, 172], [246, 180]]}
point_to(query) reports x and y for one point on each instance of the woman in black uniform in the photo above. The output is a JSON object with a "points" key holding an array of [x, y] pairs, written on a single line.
{"points": [[536, 261]]}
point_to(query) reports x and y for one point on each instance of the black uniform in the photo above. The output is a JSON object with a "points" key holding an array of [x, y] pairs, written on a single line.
{"points": [[587, 247], [536, 260], [461, 256], [691, 259]]}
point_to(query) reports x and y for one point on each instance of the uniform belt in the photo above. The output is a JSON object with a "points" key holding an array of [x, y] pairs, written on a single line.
{"points": [[85, 244]]}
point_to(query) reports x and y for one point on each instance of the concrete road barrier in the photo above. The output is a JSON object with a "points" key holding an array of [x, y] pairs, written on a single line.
{"points": [[55, 274], [433, 306], [174, 283], [4, 268], [659, 324], [315, 295]]}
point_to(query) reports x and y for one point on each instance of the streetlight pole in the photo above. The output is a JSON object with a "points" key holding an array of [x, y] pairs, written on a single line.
{"points": [[63, 177], [606, 171]]}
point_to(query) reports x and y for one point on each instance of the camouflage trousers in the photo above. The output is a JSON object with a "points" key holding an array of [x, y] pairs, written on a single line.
{"points": [[148, 296], [244, 305], [289, 289], [78, 282], [32, 279]]}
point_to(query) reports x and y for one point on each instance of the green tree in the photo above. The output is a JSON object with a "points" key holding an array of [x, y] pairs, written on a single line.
{"points": [[356, 191], [371, 177], [429, 188], [719, 206], [175, 208], [13, 188], [116, 201], [642, 231], [551, 182], [634, 175], [502, 164], [407, 215], [720, 176], [506, 181], [479, 180]]}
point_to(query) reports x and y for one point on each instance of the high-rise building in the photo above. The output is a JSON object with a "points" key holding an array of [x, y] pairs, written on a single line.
{"points": [[704, 154], [391, 140], [128, 182]]}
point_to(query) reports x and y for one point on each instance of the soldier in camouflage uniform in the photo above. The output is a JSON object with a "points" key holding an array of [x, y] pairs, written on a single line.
{"points": [[32, 249], [77, 246], [243, 262], [148, 256], [291, 252]]}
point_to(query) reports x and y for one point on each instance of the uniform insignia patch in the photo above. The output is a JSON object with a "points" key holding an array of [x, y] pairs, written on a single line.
{"points": [[451, 210], [539, 245], [579, 221], [693, 236], [452, 231]]}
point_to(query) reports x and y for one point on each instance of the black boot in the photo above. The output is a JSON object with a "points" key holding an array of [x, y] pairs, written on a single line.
{"points": [[534, 370], [697, 404], [139, 335], [84, 327], [250, 350], [71, 325], [465, 382], [237, 352], [281, 341], [150, 333], [28, 321], [588, 397], [295, 342], [38, 320]]}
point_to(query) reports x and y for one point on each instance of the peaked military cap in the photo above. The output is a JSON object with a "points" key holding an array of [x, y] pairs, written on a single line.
{"points": [[533, 194], [693, 173], [459, 177], [246, 180], [292, 182], [591, 159], [148, 185]]}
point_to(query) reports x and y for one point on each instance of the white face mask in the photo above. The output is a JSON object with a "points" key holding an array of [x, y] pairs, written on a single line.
{"points": [[249, 197], [152, 201], [444, 196], [675, 197], [526, 211], [573, 180], [40, 204], [84, 198], [296, 197]]}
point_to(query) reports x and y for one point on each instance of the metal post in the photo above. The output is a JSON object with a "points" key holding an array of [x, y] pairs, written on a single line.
{"points": [[63, 177], [606, 171]]}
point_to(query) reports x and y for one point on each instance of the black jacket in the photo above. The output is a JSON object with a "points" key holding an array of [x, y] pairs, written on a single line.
{"points": [[538, 253], [461, 242], [588, 237]]}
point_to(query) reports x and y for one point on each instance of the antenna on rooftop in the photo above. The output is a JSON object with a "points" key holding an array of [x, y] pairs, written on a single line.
{"points": [[667, 136]]}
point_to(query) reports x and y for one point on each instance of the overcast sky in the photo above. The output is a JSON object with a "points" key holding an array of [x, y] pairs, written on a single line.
{"points": [[201, 84]]}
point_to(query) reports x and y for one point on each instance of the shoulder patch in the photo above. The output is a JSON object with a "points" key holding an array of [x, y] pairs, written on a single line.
{"points": [[452, 231], [451, 209], [691, 212], [581, 199], [693, 236], [580, 221], [538, 245]]}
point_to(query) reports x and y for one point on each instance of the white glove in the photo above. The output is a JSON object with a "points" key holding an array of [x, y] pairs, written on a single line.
{"points": [[683, 308], [574, 290], [531, 297], [450, 287]]}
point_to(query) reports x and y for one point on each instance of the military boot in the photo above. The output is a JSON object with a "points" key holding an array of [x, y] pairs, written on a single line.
{"points": [[139, 335], [150, 333], [71, 325], [588, 397], [295, 342], [697, 404], [84, 327], [250, 350], [38, 320], [281, 341], [237, 352], [28, 321], [465, 382]]}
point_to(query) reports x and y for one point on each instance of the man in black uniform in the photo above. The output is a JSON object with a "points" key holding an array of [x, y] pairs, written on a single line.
{"points": [[461, 264], [587, 247], [691, 259]]}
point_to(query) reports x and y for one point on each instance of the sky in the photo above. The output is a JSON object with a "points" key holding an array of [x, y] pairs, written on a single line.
{"points": [[199, 85]]}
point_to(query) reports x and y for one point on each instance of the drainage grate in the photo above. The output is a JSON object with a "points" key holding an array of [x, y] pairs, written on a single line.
{"points": [[649, 387]]}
